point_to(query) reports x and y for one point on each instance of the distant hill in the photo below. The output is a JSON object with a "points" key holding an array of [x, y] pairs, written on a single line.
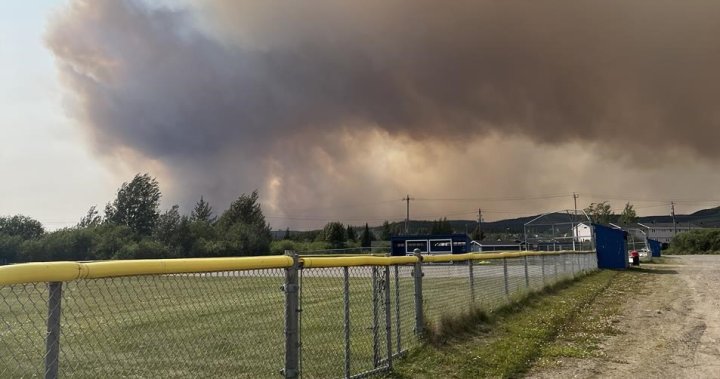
{"points": [[709, 218]]}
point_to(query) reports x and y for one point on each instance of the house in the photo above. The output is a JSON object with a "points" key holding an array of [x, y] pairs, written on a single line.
{"points": [[665, 231], [582, 232]]}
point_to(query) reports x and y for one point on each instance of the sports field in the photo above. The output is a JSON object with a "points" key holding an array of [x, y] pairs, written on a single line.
{"points": [[232, 324]]}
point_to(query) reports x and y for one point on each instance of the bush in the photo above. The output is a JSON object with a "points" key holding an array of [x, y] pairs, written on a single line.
{"points": [[700, 241]]}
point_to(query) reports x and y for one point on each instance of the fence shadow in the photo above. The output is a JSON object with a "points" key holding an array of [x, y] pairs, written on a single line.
{"points": [[657, 271]]}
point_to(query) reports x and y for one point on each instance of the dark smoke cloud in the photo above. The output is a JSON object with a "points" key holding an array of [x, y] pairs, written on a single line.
{"points": [[235, 95]]}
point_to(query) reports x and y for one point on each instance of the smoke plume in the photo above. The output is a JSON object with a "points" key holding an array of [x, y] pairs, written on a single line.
{"points": [[322, 102]]}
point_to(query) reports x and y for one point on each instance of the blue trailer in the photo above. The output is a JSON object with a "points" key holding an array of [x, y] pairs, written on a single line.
{"points": [[430, 244], [611, 245]]}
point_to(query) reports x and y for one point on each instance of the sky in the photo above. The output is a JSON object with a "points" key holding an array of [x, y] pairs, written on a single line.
{"points": [[336, 110]]}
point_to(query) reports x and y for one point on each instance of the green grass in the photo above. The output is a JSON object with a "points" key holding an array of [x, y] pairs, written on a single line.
{"points": [[506, 342]]}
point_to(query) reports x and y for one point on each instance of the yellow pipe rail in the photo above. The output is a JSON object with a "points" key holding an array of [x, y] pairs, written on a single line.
{"points": [[68, 271], [316, 262]]}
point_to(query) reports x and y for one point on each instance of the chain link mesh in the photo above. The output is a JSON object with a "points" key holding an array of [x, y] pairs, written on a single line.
{"points": [[231, 324]]}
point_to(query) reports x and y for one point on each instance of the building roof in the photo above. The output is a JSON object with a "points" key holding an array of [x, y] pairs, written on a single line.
{"points": [[667, 225]]}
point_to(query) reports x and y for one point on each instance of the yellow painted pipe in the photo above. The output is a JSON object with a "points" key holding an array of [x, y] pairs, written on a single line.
{"points": [[67, 271], [317, 262]]}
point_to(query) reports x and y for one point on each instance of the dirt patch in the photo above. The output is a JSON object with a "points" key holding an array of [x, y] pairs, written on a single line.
{"points": [[668, 326]]}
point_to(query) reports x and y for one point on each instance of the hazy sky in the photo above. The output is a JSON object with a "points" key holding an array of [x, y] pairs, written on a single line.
{"points": [[336, 110]]}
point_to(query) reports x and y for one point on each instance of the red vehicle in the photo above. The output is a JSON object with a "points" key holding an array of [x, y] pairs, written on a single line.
{"points": [[635, 258]]}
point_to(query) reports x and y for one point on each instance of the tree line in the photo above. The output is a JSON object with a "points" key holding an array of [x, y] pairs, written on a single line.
{"points": [[133, 227]]}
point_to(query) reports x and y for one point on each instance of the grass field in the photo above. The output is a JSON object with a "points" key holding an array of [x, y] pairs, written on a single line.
{"points": [[231, 324]]}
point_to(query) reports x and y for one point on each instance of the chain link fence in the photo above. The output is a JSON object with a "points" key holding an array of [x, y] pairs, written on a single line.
{"points": [[315, 317]]}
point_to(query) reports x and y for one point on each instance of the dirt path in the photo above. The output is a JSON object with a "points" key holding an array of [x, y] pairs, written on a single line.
{"points": [[670, 329]]}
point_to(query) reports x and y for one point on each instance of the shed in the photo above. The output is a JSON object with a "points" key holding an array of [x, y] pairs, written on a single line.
{"points": [[430, 244], [655, 247], [611, 247]]}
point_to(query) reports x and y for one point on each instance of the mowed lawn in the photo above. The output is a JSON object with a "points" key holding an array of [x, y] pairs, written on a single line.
{"points": [[227, 324]]}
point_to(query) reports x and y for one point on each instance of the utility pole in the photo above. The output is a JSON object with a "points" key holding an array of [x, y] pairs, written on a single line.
{"points": [[672, 213], [575, 197], [480, 223], [407, 199], [572, 223]]}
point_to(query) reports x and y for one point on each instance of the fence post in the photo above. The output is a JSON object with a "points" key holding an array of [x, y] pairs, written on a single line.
{"points": [[52, 342], [417, 276], [397, 307], [388, 317], [346, 324], [542, 265], [527, 276], [505, 275], [292, 318], [376, 338], [472, 283]]}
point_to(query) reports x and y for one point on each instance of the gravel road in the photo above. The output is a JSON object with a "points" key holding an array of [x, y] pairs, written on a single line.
{"points": [[670, 329]]}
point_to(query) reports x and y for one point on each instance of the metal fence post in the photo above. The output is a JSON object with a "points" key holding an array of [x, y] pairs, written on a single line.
{"points": [[292, 318], [505, 275], [388, 316], [397, 307], [376, 337], [417, 276], [527, 275], [52, 342], [346, 324], [542, 267], [472, 282]]}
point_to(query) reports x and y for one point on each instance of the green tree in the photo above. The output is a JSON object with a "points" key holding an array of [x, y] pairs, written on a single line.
{"points": [[366, 237], [202, 212], [335, 234], [136, 205], [21, 226], [243, 229], [287, 234], [91, 219], [167, 226], [351, 236], [628, 215], [600, 213], [441, 226], [385, 233]]}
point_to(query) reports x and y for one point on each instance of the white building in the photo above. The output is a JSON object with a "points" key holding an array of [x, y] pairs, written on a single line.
{"points": [[582, 232], [664, 232]]}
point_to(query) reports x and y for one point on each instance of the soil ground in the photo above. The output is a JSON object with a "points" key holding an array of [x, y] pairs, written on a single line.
{"points": [[668, 328]]}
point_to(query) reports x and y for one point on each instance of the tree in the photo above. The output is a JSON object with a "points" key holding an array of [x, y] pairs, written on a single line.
{"points": [[441, 226], [136, 205], [202, 212], [21, 226], [243, 228], [477, 234], [386, 233], [600, 213], [166, 228], [351, 236], [335, 234], [91, 219], [366, 237], [628, 215], [287, 234]]}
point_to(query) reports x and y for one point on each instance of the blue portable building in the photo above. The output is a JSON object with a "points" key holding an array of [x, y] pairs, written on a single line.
{"points": [[430, 244], [611, 247], [655, 247]]}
